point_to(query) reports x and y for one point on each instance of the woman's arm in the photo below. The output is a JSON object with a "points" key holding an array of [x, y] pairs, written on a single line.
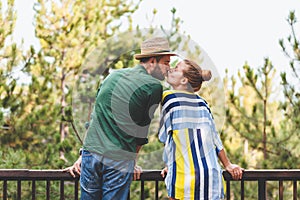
{"points": [[235, 170]]}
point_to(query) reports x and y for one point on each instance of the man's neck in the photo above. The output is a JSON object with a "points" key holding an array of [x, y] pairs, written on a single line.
{"points": [[147, 68]]}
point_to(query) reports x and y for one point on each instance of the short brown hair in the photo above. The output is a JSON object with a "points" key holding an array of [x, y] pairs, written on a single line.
{"points": [[144, 60]]}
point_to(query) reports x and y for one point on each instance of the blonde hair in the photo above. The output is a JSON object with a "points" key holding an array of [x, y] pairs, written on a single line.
{"points": [[195, 75]]}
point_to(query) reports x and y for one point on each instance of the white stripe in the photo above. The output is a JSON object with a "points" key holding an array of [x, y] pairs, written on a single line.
{"points": [[193, 120], [179, 99], [200, 165], [199, 109]]}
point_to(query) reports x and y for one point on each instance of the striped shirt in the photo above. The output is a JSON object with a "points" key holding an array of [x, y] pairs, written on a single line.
{"points": [[191, 143]]}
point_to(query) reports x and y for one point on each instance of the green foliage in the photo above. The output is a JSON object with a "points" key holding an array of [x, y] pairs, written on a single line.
{"points": [[12, 158], [8, 56], [149, 193], [37, 116]]}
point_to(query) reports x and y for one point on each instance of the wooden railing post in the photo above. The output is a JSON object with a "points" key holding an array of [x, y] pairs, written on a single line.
{"points": [[142, 190], [261, 190], [295, 190], [242, 190]]}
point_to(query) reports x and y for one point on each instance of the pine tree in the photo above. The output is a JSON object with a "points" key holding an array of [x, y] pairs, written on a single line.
{"points": [[291, 83], [253, 114]]}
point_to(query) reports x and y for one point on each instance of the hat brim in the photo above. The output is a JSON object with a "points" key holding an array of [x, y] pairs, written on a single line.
{"points": [[139, 56]]}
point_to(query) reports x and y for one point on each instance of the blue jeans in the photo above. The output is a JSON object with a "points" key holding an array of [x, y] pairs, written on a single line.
{"points": [[103, 178]]}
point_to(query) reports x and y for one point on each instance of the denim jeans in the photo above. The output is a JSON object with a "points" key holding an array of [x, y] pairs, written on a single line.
{"points": [[103, 178]]}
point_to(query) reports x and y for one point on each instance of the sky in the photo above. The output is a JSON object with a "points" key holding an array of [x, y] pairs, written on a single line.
{"points": [[231, 32]]}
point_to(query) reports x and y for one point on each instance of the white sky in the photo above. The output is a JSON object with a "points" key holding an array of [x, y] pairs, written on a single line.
{"points": [[231, 32]]}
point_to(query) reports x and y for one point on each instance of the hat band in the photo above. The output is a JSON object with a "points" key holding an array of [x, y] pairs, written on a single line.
{"points": [[163, 51]]}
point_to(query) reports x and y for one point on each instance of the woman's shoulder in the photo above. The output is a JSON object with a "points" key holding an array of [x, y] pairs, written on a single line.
{"points": [[180, 93], [171, 93], [168, 92], [168, 95], [175, 95]]}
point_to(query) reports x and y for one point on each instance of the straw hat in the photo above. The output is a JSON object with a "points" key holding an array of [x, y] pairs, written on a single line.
{"points": [[154, 47]]}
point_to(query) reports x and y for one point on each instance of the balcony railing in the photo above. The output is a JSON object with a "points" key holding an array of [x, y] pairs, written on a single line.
{"points": [[24, 178]]}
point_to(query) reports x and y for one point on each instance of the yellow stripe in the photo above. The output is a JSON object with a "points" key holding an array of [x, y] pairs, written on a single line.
{"points": [[167, 92], [192, 169], [179, 189]]}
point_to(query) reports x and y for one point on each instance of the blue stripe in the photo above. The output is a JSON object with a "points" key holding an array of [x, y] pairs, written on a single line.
{"points": [[217, 151], [175, 95], [173, 173], [166, 123], [196, 165], [167, 98], [178, 94], [204, 164], [185, 103]]}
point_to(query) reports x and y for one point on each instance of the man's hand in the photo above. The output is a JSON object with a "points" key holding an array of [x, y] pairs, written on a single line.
{"points": [[75, 168], [137, 172]]}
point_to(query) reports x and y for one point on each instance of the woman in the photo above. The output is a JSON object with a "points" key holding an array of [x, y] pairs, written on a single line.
{"points": [[192, 143]]}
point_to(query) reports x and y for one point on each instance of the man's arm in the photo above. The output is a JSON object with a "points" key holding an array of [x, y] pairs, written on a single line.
{"points": [[137, 169], [75, 168]]}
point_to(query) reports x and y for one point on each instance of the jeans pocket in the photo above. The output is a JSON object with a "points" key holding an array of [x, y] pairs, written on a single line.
{"points": [[118, 177], [89, 178]]}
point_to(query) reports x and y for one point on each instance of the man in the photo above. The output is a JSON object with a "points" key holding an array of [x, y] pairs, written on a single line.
{"points": [[124, 107]]}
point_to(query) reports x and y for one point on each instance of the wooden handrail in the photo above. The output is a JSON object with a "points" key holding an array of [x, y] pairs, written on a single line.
{"points": [[268, 174], [261, 176]]}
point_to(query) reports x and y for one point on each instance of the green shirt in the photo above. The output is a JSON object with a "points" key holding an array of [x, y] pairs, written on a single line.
{"points": [[123, 110]]}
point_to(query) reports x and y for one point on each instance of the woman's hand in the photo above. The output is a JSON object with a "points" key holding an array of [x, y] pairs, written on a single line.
{"points": [[164, 171], [235, 171]]}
